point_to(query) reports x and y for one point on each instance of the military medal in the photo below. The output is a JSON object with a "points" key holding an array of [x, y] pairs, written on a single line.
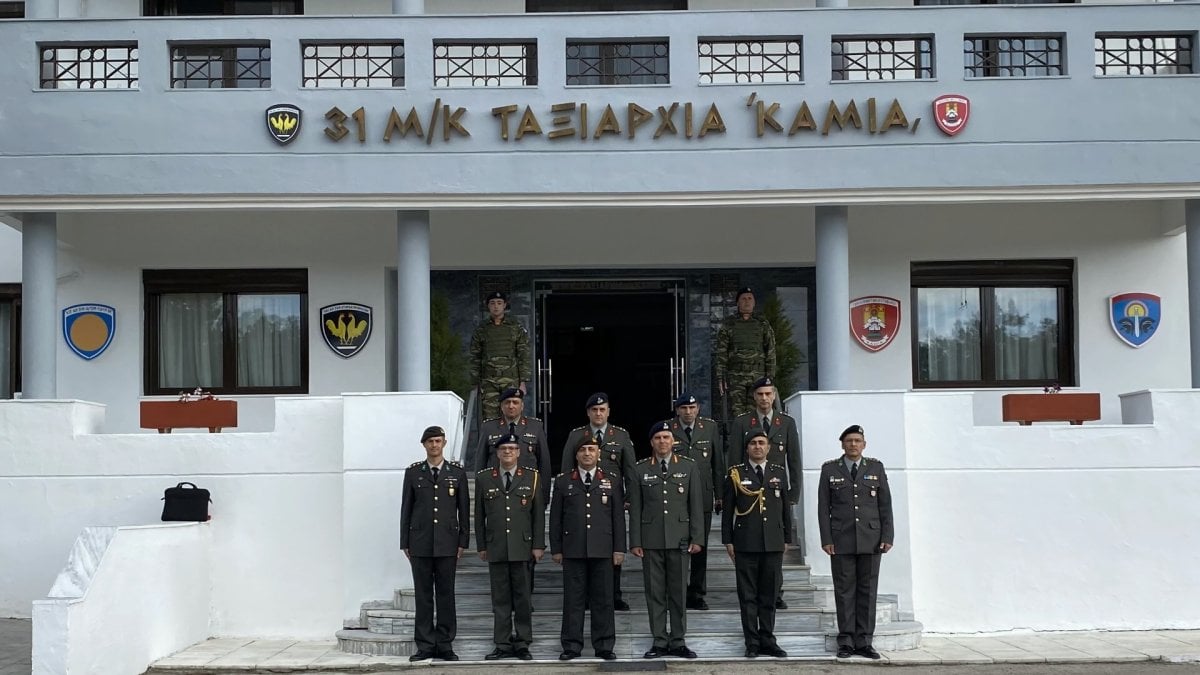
{"points": [[704, 454], [451, 490], [872, 493], [524, 501], [603, 499], [613, 456], [680, 489], [777, 493]]}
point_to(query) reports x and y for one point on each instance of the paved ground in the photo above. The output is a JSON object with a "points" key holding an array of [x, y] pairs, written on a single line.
{"points": [[15, 640]]}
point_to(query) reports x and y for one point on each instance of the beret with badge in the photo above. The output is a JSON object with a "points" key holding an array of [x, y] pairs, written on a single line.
{"points": [[659, 427], [511, 392], [506, 439], [432, 432], [598, 398], [852, 429], [685, 399]]}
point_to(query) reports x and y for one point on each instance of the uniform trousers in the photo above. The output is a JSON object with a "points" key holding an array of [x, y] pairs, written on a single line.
{"points": [[510, 596], [855, 581], [698, 577], [665, 572], [587, 582], [759, 576], [433, 584]]}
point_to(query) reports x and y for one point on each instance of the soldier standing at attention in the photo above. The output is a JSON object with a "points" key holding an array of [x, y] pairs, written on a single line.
{"points": [[499, 356], [745, 352], [535, 451], [587, 537], [665, 516], [854, 511], [698, 438], [616, 458], [510, 528], [435, 514], [756, 530]]}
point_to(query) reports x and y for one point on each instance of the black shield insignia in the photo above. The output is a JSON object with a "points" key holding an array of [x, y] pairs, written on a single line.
{"points": [[283, 122], [346, 327]]}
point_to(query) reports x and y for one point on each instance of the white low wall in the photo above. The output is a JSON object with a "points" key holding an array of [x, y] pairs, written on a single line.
{"points": [[1047, 527]]}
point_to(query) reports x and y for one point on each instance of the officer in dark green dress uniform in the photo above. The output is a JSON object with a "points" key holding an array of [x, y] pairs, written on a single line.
{"points": [[665, 519], [745, 352], [617, 458], [510, 528], [499, 355], [854, 511], [435, 518], [535, 451], [756, 530], [587, 537], [699, 438]]}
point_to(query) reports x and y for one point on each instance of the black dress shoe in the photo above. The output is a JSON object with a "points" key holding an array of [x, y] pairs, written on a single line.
{"points": [[421, 656], [567, 656], [780, 604], [751, 653], [448, 655], [524, 654], [868, 651], [683, 652], [654, 653], [620, 605], [698, 603], [773, 651], [498, 654], [845, 652], [607, 656]]}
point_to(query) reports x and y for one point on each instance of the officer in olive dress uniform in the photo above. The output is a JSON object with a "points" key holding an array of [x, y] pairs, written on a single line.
{"points": [[499, 355], [435, 514], [587, 537], [617, 458], [535, 451], [756, 529], [665, 520], [745, 352], [854, 511], [699, 438], [510, 528]]}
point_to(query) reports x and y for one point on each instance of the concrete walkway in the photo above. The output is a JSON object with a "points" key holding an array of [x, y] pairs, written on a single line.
{"points": [[1181, 646]]}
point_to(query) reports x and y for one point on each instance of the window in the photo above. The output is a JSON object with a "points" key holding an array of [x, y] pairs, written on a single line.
{"points": [[995, 323], [1013, 55], [10, 339], [226, 331], [741, 60], [89, 65], [221, 66], [881, 57], [632, 62], [537, 6], [460, 63], [220, 7], [12, 10], [353, 64], [1144, 53]]}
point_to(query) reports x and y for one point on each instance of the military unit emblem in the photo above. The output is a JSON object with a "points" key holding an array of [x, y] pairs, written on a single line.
{"points": [[1135, 317], [283, 123], [89, 328], [951, 112], [874, 321], [346, 327]]}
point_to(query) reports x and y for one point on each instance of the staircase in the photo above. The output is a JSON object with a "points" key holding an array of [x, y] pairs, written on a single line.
{"points": [[807, 629]]}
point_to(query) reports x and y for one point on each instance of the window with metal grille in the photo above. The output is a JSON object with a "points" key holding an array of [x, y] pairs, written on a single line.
{"points": [[625, 62], [1144, 53], [92, 65], [221, 66], [764, 59], [882, 57], [1019, 55], [12, 10], [484, 63], [221, 7], [353, 65]]}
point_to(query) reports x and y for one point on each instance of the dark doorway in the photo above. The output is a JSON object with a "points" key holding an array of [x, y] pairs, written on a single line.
{"points": [[624, 343]]}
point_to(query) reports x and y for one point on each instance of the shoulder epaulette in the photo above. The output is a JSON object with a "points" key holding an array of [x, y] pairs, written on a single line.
{"points": [[490, 419], [416, 464], [645, 460], [706, 419], [560, 475], [579, 428], [532, 418], [831, 461], [486, 469], [686, 457], [618, 428], [453, 463], [870, 459], [774, 466]]}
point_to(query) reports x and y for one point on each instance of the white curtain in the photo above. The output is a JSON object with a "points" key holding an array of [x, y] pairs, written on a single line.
{"points": [[948, 336], [189, 340], [268, 339], [1026, 324], [7, 357]]}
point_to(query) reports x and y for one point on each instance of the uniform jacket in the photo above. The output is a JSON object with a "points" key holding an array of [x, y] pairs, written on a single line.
{"points": [[784, 439], [745, 347], [854, 515], [499, 351], [587, 524], [757, 516], [535, 452], [435, 517], [665, 513], [509, 525], [706, 450], [617, 457]]}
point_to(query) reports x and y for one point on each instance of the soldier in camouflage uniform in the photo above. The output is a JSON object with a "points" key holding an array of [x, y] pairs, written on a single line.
{"points": [[499, 355], [745, 352]]}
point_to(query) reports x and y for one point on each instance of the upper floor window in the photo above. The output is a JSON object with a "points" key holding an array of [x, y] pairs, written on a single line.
{"points": [[12, 10], [536, 6], [642, 61], [993, 323], [881, 57], [221, 66], [226, 331], [1144, 53], [220, 7]]}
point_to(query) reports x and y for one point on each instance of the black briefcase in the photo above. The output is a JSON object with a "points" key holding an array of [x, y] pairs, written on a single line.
{"points": [[185, 502]]}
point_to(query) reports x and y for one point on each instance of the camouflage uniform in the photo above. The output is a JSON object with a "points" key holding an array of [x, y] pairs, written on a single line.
{"points": [[499, 360], [745, 352]]}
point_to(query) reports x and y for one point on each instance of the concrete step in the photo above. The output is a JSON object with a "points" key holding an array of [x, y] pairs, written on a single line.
{"points": [[550, 599], [549, 573], [717, 559]]}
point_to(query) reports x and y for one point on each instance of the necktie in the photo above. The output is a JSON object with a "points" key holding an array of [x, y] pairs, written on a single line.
{"points": [[600, 437], [758, 472], [507, 481], [435, 474], [664, 467], [766, 424], [587, 480], [854, 471], [512, 428], [688, 431]]}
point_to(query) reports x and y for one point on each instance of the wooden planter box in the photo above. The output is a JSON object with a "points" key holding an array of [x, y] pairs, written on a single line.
{"points": [[1026, 409], [210, 414]]}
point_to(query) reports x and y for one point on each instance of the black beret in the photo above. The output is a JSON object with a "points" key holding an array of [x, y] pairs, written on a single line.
{"points": [[852, 429], [431, 432], [511, 392], [685, 399], [660, 426], [762, 382], [598, 398], [506, 438], [744, 290], [586, 439], [757, 431], [496, 295]]}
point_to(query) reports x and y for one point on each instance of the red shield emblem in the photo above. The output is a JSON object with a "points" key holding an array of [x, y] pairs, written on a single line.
{"points": [[951, 112], [874, 321]]}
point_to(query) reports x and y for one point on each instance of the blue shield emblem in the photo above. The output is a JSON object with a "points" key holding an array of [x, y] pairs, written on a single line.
{"points": [[89, 329], [1135, 316]]}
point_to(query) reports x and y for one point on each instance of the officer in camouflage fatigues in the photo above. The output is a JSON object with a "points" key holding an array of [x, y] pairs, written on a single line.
{"points": [[499, 356], [745, 352], [665, 521]]}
